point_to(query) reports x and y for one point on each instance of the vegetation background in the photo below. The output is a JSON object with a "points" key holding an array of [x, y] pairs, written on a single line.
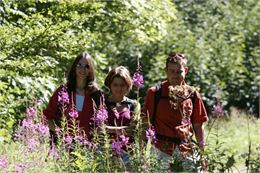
{"points": [[40, 38]]}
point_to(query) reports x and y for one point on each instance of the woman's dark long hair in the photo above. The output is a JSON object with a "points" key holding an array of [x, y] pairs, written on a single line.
{"points": [[91, 84]]}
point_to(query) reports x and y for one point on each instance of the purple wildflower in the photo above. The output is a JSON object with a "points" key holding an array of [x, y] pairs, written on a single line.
{"points": [[217, 110], [41, 128], [68, 140], [54, 153], [27, 123], [73, 114], [79, 138], [91, 145], [86, 143], [18, 136], [118, 144], [63, 96], [124, 139], [138, 79], [82, 139], [101, 116], [150, 134], [20, 168], [31, 112], [117, 147], [3, 162], [32, 143]]}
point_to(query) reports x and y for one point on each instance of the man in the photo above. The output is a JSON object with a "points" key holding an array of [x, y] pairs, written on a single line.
{"points": [[175, 110]]}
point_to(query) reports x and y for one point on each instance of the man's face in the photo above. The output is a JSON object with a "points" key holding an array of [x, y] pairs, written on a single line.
{"points": [[176, 73]]}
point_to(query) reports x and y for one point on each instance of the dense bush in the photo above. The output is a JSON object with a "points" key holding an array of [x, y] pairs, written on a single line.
{"points": [[40, 39]]}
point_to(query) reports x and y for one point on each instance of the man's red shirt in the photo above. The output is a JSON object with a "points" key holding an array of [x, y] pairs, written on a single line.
{"points": [[167, 118]]}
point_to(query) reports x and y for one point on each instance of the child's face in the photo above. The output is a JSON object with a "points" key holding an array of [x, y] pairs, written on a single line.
{"points": [[118, 87], [176, 73]]}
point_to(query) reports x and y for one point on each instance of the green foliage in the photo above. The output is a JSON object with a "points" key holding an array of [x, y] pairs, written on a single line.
{"points": [[252, 160], [223, 53], [232, 143], [40, 39]]}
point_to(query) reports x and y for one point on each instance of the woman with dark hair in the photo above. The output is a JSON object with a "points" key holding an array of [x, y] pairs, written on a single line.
{"points": [[77, 100]]}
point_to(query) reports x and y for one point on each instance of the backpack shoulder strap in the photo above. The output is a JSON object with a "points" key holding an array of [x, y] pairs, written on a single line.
{"points": [[193, 97], [157, 95]]}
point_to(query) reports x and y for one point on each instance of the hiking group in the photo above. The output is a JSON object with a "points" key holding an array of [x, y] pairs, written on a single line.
{"points": [[172, 108]]}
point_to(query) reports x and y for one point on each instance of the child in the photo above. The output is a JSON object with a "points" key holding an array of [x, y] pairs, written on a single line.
{"points": [[120, 124], [120, 108]]}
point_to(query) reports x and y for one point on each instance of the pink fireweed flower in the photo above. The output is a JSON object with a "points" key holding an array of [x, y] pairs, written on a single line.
{"points": [[117, 147], [101, 116], [150, 134], [73, 114], [68, 140], [124, 139], [3, 162], [86, 143], [217, 110], [54, 153], [28, 123], [63, 96], [18, 136], [57, 129], [31, 112], [118, 144], [32, 143], [91, 145], [41, 128], [20, 168], [138, 79], [79, 138]]}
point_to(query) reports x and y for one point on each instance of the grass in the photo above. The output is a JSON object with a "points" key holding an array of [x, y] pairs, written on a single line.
{"points": [[234, 133], [227, 136]]}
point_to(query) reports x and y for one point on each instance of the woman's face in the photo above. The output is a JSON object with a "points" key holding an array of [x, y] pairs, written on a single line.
{"points": [[82, 69], [118, 87]]}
